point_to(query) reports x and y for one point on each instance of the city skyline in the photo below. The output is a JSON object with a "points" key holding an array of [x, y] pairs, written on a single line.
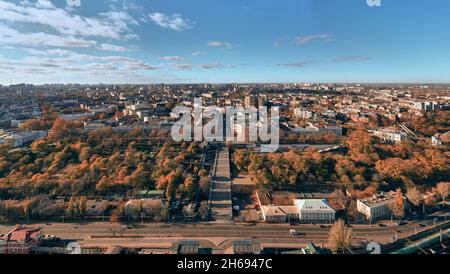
{"points": [[139, 42]]}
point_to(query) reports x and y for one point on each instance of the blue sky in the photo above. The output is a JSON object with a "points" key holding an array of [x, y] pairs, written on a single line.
{"points": [[196, 41]]}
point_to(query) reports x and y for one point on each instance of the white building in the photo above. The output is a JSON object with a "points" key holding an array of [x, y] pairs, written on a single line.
{"points": [[390, 136], [18, 139], [426, 106], [377, 206], [315, 210], [302, 114]]}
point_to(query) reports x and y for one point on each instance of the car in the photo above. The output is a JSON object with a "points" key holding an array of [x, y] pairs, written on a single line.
{"points": [[381, 225], [400, 223], [294, 232], [422, 225], [129, 227]]}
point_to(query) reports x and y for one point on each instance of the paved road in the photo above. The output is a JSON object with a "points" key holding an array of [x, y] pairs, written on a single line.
{"points": [[221, 204], [276, 233]]}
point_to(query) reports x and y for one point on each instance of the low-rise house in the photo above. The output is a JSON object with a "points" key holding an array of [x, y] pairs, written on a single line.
{"points": [[145, 208], [185, 247], [279, 214], [246, 247], [96, 208], [390, 136]]}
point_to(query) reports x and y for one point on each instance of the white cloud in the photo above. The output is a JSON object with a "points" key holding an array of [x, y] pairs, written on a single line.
{"points": [[198, 53], [215, 66], [71, 66], [182, 66], [113, 24], [172, 58], [175, 21], [353, 58], [10, 36], [299, 64], [220, 44], [110, 47], [309, 38]]}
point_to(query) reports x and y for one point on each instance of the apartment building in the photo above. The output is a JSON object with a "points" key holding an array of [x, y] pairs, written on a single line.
{"points": [[376, 206], [390, 136]]}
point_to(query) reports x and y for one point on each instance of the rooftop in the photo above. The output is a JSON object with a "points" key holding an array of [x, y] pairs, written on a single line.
{"points": [[313, 205], [378, 199]]}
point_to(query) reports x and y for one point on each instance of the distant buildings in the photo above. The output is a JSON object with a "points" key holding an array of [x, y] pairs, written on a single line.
{"points": [[426, 106], [251, 101], [254, 101], [18, 139], [20, 240], [303, 114], [318, 129]]}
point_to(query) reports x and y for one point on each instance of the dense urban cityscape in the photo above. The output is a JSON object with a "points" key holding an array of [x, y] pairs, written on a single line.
{"points": [[98, 163], [218, 128]]}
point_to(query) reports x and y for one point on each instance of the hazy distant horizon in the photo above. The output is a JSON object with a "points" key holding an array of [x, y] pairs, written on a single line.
{"points": [[234, 83]]}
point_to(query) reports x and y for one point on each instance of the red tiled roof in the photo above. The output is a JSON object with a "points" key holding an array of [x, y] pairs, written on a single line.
{"points": [[22, 234]]}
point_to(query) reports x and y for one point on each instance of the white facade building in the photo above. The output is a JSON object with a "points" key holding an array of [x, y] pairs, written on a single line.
{"points": [[390, 136], [315, 210], [18, 139], [426, 106], [303, 114], [377, 206]]}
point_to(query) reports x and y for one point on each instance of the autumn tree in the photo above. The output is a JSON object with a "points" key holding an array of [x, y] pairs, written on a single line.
{"points": [[72, 207], [339, 197], [414, 196], [118, 214], [170, 191], [189, 187], [27, 210], [241, 160], [340, 238], [443, 189], [204, 210], [361, 147], [205, 183], [352, 210], [398, 205], [82, 205], [59, 129]]}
